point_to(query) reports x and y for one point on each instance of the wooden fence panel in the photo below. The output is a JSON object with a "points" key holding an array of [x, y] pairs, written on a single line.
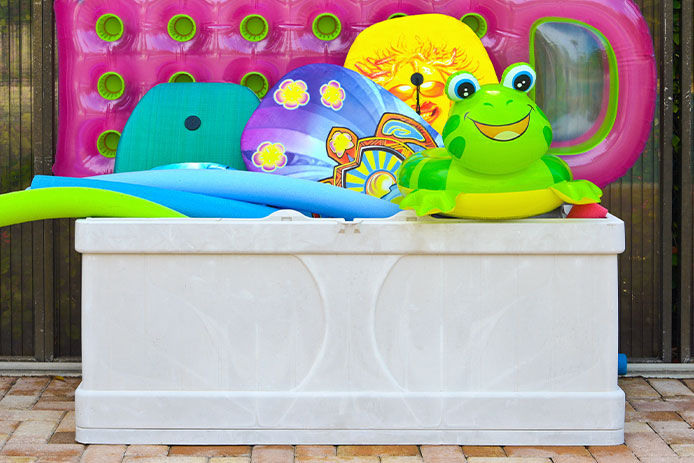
{"points": [[685, 244], [643, 199], [16, 168], [40, 271]]}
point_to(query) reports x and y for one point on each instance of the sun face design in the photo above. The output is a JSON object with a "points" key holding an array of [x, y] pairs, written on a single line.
{"points": [[332, 95], [393, 66], [433, 101], [395, 52], [291, 94], [270, 156]]}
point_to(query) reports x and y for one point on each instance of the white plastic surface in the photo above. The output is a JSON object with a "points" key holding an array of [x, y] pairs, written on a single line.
{"points": [[402, 330]]}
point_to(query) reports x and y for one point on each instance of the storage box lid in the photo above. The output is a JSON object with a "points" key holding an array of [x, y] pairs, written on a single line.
{"points": [[288, 232]]}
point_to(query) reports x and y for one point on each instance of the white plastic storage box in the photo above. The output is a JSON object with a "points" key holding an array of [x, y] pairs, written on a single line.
{"points": [[319, 331]]}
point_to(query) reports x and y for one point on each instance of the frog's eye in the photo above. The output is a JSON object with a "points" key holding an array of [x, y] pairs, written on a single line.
{"points": [[519, 77], [461, 85]]}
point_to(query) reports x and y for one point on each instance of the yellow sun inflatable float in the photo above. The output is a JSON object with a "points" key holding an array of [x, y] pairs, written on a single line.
{"points": [[434, 46]]}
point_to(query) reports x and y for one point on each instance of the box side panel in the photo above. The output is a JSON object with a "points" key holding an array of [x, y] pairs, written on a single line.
{"points": [[317, 323]]}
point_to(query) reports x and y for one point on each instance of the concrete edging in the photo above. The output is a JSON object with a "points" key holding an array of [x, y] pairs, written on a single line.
{"points": [[649, 370]]}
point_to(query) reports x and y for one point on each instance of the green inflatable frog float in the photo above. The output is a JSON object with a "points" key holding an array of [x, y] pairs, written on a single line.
{"points": [[495, 163]]}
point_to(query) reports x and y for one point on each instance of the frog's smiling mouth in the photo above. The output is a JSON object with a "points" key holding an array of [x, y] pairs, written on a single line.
{"points": [[506, 132]]}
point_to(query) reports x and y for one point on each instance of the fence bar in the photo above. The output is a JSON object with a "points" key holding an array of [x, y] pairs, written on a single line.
{"points": [[685, 246], [666, 180]]}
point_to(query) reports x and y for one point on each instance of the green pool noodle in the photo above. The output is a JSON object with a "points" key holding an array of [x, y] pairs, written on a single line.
{"points": [[68, 202], [186, 122]]}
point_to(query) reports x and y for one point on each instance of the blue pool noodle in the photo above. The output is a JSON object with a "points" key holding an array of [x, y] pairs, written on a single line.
{"points": [[190, 204], [621, 364], [276, 190]]}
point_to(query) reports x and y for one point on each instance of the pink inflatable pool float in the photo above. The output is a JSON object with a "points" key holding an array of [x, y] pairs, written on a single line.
{"points": [[111, 52]]}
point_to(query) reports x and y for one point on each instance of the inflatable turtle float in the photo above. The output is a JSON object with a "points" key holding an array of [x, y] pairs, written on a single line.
{"points": [[495, 163]]}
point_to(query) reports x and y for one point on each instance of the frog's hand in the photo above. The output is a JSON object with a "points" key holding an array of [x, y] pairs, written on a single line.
{"points": [[577, 192], [429, 201]]}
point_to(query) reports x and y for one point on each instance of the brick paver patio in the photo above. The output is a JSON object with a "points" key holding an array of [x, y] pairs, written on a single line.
{"points": [[37, 424]]}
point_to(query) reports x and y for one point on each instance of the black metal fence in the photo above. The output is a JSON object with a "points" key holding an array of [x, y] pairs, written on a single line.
{"points": [[684, 176], [40, 272]]}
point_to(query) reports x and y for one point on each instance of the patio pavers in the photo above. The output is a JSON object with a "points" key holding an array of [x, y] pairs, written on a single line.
{"points": [[37, 425]]}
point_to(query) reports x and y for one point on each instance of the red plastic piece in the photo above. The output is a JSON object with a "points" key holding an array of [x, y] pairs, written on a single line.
{"points": [[587, 211]]}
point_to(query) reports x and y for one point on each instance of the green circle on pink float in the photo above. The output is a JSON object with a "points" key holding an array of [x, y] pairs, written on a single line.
{"points": [[107, 143], [109, 27], [181, 77], [111, 85], [476, 22], [182, 28], [327, 26], [257, 82], [254, 28]]}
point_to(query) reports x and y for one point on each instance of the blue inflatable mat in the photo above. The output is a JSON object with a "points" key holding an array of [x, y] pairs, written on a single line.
{"points": [[190, 204], [276, 190]]}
